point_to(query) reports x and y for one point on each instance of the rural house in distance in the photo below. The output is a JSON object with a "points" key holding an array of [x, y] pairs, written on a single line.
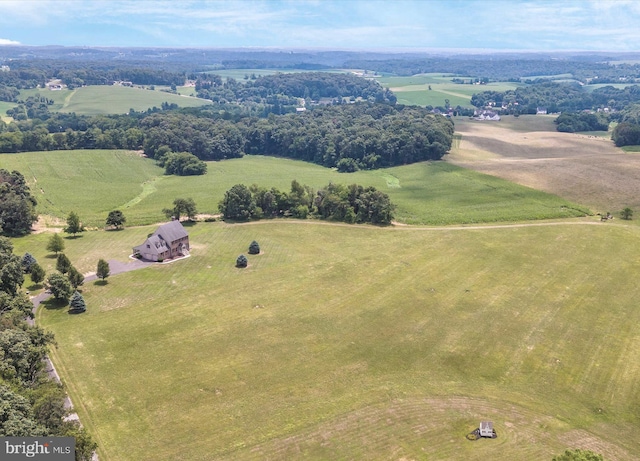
{"points": [[170, 240]]}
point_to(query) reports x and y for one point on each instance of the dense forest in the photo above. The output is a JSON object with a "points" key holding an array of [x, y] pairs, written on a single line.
{"points": [[347, 136], [287, 89]]}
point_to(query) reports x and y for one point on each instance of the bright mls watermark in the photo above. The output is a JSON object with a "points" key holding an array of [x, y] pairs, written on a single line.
{"points": [[38, 448]]}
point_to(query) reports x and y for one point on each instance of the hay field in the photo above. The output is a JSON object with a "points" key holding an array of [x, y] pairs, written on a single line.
{"points": [[354, 342], [581, 168], [108, 99], [94, 182]]}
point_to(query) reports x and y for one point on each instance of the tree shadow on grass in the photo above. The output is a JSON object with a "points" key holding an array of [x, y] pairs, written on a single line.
{"points": [[100, 283], [51, 256], [72, 237], [53, 304], [188, 223], [35, 287]]}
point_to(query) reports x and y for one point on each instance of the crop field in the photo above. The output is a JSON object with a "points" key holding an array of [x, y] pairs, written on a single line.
{"points": [[356, 342], [107, 99], [580, 167], [94, 182]]}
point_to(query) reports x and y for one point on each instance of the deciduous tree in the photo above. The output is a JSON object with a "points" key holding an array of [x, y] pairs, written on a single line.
{"points": [[116, 219], [238, 203], [74, 226], [55, 244], [60, 286]]}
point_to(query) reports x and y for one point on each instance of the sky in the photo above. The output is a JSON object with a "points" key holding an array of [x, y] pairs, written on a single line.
{"points": [[540, 25]]}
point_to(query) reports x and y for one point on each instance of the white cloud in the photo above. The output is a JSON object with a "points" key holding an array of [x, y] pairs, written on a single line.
{"points": [[4, 41]]}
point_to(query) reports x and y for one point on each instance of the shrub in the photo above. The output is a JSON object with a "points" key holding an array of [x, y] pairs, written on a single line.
{"points": [[254, 248], [242, 261]]}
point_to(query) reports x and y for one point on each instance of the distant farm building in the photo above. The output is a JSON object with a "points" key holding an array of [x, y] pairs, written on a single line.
{"points": [[169, 241], [541, 111], [486, 115]]}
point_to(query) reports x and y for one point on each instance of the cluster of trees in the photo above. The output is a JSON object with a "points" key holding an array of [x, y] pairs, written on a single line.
{"points": [[32, 404], [286, 89], [351, 204], [557, 97], [626, 134], [573, 122], [180, 163], [17, 205], [355, 136]]}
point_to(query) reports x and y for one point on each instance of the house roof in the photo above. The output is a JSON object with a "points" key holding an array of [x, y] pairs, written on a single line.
{"points": [[161, 239], [171, 231]]}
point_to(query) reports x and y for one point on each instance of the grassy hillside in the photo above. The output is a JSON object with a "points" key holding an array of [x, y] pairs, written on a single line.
{"points": [[107, 99], [346, 342], [415, 90], [94, 182]]}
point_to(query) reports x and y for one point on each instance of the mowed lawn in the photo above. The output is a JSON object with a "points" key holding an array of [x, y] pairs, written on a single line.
{"points": [[348, 342], [108, 99], [92, 183]]}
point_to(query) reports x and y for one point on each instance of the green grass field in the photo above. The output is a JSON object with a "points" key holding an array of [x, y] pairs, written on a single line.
{"points": [[415, 90], [348, 342], [4, 107], [107, 99], [631, 148], [92, 183]]}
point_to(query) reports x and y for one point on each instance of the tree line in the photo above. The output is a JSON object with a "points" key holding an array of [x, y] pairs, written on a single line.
{"points": [[32, 403], [348, 136], [336, 202], [557, 97]]}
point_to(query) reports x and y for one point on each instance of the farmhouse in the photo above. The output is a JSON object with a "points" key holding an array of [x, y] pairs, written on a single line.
{"points": [[486, 115], [170, 240]]}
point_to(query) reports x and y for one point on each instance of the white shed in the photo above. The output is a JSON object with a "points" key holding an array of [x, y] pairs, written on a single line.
{"points": [[486, 429]]}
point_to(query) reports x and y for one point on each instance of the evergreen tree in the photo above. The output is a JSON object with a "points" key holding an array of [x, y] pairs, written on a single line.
{"points": [[242, 261], [103, 269], [254, 248], [75, 278], [77, 304], [27, 261], [63, 264], [37, 273], [55, 244]]}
